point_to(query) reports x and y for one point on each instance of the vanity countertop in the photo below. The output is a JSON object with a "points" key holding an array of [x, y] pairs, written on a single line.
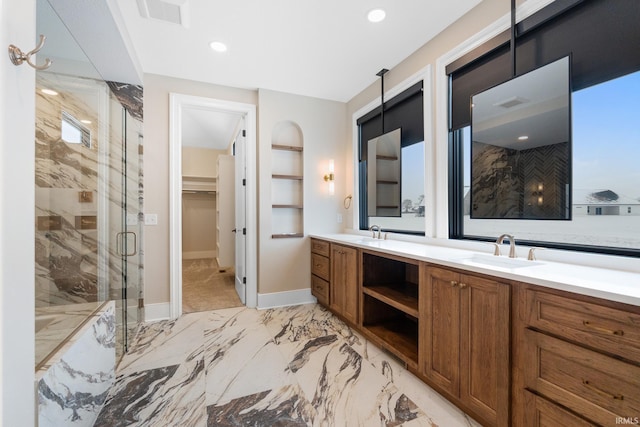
{"points": [[614, 285]]}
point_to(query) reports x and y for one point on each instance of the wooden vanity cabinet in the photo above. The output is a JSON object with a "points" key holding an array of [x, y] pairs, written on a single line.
{"points": [[320, 270], [343, 285], [506, 353], [464, 347], [581, 356], [390, 317], [543, 413]]}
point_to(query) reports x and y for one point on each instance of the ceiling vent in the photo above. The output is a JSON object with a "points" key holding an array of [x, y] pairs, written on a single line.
{"points": [[173, 11], [511, 102]]}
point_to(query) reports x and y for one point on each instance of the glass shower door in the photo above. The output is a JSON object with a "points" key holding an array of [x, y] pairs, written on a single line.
{"points": [[134, 220], [125, 204], [88, 194]]}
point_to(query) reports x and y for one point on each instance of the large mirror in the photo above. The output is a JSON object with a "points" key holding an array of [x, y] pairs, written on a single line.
{"points": [[383, 175], [521, 147]]}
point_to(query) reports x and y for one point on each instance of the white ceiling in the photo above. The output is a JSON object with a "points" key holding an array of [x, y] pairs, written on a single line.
{"points": [[208, 129], [325, 49]]}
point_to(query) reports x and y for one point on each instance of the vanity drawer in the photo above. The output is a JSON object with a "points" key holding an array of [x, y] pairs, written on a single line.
{"points": [[320, 247], [596, 386], [542, 413], [603, 328], [320, 266], [320, 289]]}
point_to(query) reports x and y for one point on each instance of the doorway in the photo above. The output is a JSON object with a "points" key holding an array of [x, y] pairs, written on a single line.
{"points": [[212, 213]]}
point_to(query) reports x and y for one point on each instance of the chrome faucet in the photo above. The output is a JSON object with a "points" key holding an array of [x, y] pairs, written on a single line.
{"points": [[512, 245], [373, 230]]}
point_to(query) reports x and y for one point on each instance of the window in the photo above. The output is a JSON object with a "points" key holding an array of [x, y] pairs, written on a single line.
{"points": [[404, 111], [606, 149], [73, 132], [605, 139]]}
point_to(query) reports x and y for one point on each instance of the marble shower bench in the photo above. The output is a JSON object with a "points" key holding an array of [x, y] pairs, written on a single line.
{"points": [[72, 384]]}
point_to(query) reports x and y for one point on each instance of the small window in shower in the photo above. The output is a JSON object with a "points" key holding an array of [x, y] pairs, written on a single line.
{"points": [[74, 132]]}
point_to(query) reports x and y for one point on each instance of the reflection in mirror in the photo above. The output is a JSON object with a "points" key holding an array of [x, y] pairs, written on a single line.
{"points": [[383, 175], [521, 144]]}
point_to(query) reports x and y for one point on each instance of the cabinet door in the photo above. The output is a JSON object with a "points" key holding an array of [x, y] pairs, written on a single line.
{"points": [[484, 347], [344, 282], [440, 304]]}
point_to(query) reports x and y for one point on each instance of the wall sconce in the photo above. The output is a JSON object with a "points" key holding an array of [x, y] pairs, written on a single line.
{"points": [[539, 193], [330, 178]]}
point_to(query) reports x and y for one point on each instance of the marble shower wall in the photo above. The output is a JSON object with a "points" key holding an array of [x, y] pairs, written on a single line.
{"points": [[79, 190], [66, 184], [495, 184], [507, 183]]}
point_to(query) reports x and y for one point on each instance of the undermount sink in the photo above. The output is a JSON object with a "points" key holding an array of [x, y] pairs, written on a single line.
{"points": [[498, 261]]}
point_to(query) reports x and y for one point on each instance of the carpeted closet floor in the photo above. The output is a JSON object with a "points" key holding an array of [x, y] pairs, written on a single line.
{"points": [[205, 287]]}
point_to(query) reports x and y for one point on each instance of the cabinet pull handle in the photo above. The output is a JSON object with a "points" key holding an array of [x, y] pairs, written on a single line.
{"points": [[589, 325], [454, 283], [462, 285], [588, 384]]}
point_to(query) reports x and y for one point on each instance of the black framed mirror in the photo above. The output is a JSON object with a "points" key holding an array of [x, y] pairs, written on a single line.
{"points": [[521, 146], [383, 175]]}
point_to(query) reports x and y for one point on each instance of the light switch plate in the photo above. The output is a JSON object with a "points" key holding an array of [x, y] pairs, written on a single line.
{"points": [[339, 218]]}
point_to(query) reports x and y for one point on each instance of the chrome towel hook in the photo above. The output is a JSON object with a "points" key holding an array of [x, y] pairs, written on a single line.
{"points": [[18, 57]]}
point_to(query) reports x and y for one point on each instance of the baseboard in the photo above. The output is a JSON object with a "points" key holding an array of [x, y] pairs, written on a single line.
{"points": [[199, 254], [160, 311], [286, 298]]}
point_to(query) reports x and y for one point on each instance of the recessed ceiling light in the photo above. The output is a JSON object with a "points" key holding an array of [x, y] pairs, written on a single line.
{"points": [[218, 46], [376, 15], [86, 122], [523, 138], [49, 92]]}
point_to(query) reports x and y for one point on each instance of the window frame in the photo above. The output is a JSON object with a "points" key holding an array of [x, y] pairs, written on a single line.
{"points": [[488, 42], [352, 201], [361, 166]]}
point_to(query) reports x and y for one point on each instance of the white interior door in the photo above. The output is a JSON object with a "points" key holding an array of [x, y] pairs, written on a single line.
{"points": [[241, 221]]}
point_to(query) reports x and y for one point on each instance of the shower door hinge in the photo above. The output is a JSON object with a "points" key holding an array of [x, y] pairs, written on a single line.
{"points": [[244, 182], [140, 302], [244, 231], [244, 132], [244, 280]]}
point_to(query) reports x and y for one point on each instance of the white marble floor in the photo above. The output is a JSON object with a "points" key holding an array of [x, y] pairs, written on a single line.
{"points": [[293, 366]]}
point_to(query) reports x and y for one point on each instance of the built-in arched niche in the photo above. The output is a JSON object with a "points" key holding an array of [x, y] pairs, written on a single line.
{"points": [[287, 187]]}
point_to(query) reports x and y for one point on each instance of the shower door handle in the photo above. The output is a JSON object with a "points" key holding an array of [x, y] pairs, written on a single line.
{"points": [[120, 243]]}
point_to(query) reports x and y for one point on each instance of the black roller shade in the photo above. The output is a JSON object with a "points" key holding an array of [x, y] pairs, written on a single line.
{"points": [[405, 110], [491, 70], [602, 37]]}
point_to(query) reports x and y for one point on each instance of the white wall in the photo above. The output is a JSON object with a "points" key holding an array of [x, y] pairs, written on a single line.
{"points": [[284, 263], [17, 162]]}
